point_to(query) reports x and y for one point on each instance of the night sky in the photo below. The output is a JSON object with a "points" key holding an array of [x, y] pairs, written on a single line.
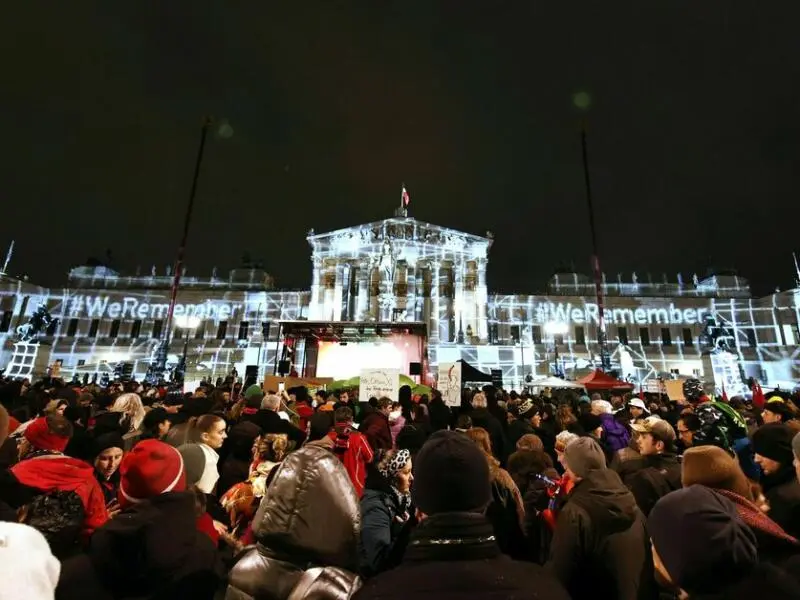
{"points": [[694, 131]]}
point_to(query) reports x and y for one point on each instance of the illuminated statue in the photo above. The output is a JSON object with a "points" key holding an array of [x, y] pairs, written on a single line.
{"points": [[694, 279], [634, 278], [39, 322]]}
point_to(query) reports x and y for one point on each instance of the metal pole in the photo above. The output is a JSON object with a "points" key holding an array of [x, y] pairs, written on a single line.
{"points": [[161, 361], [598, 277]]}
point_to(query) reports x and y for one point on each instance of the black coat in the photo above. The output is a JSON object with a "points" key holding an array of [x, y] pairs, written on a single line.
{"points": [[481, 417], [441, 416], [655, 476], [782, 491], [469, 566], [151, 550], [271, 422], [516, 430], [600, 546]]}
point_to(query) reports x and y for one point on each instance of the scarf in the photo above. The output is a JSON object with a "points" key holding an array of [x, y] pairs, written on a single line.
{"points": [[754, 518]]}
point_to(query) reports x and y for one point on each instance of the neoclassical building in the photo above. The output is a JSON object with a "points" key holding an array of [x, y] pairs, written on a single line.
{"points": [[401, 272]]}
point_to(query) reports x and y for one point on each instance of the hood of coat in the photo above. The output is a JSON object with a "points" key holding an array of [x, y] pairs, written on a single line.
{"points": [[53, 472], [147, 544], [610, 505], [311, 511]]}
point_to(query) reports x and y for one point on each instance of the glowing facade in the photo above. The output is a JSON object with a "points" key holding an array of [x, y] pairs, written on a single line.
{"points": [[404, 270]]}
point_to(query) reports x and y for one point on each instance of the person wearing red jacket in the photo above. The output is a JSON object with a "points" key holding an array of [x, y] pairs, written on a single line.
{"points": [[44, 467], [376, 426], [351, 447]]}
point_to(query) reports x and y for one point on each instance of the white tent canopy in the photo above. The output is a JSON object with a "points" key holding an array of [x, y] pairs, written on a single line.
{"points": [[555, 382]]}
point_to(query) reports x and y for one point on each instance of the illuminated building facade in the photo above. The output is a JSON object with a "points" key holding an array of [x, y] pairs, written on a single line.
{"points": [[401, 270]]}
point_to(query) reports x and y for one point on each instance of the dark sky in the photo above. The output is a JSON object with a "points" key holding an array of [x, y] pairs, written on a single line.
{"points": [[694, 131]]}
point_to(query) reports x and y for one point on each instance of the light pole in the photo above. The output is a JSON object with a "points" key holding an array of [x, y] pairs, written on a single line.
{"points": [[188, 324], [158, 368], [554, 328], [583, 101]]}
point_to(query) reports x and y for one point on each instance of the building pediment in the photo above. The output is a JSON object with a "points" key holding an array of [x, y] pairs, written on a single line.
{"points": [[400, 232]]}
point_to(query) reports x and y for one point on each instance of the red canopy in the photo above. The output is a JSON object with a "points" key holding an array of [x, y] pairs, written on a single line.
{"points": [[600, 381]]}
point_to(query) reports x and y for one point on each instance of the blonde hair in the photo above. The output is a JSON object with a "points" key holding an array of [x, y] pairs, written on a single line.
{"points": [[479, 400]]}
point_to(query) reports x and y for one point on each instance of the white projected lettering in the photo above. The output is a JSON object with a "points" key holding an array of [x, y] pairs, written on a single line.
{"points": [[97, 307], [546, 312]]}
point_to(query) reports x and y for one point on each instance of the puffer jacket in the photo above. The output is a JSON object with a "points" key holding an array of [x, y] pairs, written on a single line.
{"points": [[307, 530]]}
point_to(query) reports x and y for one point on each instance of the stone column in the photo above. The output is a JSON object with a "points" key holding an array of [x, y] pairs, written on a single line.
{"points": [[411, 291], [482, 301], [433, 323], [445, 302], [459, 321], [362, 302], [315, 308], [329, 293]]}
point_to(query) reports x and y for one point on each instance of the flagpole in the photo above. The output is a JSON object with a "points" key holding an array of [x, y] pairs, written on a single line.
{"points": [[796, 270]]}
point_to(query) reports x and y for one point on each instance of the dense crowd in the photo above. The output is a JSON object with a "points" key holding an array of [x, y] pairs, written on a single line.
{"points": [[134, 492]]}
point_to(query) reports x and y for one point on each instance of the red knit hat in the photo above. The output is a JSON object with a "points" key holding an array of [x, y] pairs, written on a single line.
{"points": [[150, 469], [40, 437]]}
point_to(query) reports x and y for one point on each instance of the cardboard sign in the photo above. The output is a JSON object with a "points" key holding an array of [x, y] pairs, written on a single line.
{"points": [[377, 383], [449, 383]]}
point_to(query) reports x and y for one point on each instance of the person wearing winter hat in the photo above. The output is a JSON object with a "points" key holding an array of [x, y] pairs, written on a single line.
{"points": [[201, 471], [776, 410], [453, 551], [599, 530], [716, 469], [108, 452], [45, 467], [637, 409], [772, 444], [153, 548], [28, 568]]}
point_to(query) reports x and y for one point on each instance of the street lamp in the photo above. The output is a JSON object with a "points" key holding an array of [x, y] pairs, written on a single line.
{"points": [[224, 130], [187, 323], [554, 328]]}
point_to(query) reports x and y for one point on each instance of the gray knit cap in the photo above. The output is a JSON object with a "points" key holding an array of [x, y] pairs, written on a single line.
{"points": [[584, 455]]}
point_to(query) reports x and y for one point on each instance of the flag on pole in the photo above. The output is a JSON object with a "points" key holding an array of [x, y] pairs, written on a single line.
{"points": [[758, 396], [404, 197]]}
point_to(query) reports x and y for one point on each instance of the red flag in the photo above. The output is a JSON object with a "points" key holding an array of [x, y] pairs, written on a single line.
{"points": [[724, 394], [404, 197], [758, 396], [641, 392]]}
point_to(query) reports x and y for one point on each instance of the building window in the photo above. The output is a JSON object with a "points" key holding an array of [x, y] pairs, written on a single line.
{"points": [[580, 336], [493, 333], [95, 325], [177, 333], [72, 328], [644, 336], [136, 329], [666, 337], [114, 331], [622, 334], [5, 323], [751, 337], [688, 338], [515, 333], [265, 329], [558, 340], [244, 328], [51, 329], [788, 335], [158, 327], [222, 330], [536, 331]]}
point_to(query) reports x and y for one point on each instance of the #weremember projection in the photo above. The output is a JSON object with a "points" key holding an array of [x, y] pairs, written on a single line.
{"points": [[97, 307], [588, 312]]}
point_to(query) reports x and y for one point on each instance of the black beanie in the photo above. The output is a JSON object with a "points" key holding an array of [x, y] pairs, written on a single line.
{"points": [[108, 440], [774, 441], [451, 474]]}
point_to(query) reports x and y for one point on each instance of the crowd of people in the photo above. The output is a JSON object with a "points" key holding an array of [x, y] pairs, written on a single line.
{"points": [[131, 491]]}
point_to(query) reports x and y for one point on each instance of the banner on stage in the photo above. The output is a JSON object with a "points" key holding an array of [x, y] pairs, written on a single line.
{"points": [[449, 383], [376, 383]]}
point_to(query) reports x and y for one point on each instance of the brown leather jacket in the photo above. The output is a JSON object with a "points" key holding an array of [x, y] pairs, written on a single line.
{"points": [[307, 528]]}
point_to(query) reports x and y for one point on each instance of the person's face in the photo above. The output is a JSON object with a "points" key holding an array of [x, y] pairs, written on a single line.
{"points": [[163, 428], [647, 445], [536, 420], [686, 436], [636, 412], [216, 435], [60, 410], [107, 462], [226, 396], [344, 397], [767, 465], [405, 478], [199, 393], [770, 417]]}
